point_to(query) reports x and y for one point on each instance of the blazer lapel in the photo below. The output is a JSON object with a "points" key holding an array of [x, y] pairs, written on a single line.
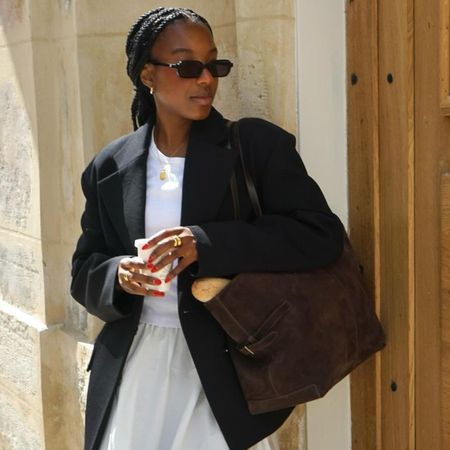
{"points": [[124, 190], [208, 167]]}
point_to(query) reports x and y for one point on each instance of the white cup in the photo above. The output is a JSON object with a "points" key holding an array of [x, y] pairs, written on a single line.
{"points": [[160, 274]]}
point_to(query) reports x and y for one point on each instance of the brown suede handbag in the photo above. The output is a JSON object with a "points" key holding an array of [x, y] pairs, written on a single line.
{"points": [[293, 336]]}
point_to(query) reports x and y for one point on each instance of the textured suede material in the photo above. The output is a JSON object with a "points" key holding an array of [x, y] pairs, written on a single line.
{"points": [[295, 335]]}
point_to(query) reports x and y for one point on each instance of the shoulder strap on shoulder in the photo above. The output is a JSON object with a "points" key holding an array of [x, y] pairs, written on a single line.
{"points": [[235, 142], [233, 179]]}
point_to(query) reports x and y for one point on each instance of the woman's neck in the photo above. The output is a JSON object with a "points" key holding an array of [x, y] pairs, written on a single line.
{"points": [[171, 136]]}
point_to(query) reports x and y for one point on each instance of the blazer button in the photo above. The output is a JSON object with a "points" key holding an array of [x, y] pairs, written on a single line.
{"points": [[186, 311]]}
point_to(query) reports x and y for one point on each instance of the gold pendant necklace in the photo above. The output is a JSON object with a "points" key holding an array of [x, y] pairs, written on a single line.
{"points": [[165, 170], [163, 173]]}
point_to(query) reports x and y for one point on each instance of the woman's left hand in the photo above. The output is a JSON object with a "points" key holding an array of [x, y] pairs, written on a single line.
{"points": [[176, 243]]}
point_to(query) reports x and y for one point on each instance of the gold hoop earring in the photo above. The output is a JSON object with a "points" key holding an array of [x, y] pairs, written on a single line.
{"points": [[151, 90]]}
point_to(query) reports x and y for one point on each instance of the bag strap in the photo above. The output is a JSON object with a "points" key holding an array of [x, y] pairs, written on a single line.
{"points": [[233, 180], [235, 142]]}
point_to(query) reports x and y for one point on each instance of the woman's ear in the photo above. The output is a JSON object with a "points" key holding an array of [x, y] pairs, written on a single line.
{"points": [[147, 75]]}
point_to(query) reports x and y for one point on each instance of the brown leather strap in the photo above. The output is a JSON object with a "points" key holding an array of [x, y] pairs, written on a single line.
{"points": [[235, 196], [235, 142], [233, 180]]}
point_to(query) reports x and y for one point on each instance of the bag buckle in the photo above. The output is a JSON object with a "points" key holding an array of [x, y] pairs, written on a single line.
{"points": [[245, 349]]}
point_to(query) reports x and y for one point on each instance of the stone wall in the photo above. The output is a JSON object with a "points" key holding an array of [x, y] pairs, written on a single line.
{"points": [[64, 94]]}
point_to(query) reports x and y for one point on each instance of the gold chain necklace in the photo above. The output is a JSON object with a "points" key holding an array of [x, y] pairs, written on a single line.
{"points": [[166, 168]]}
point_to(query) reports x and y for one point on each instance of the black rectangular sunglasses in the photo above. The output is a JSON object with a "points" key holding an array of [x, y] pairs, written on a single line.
{"points": [[193, 69]]}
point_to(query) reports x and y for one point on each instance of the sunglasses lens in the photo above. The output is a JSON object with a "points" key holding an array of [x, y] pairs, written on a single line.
{"points": [[190, 69], [220, 68], [193, 69]]}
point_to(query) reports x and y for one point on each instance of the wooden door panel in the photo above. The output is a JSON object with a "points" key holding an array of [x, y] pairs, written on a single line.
{"points": [[432, 158], [445, 311], [444, 63], [363, 144], [399, 147]]}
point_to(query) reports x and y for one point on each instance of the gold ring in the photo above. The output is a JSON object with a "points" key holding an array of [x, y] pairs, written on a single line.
{"points": [[125, 277], [176, 241]]}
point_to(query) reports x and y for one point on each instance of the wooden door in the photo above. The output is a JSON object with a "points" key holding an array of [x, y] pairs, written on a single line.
{"points": [[432, 223], [399, 197]]}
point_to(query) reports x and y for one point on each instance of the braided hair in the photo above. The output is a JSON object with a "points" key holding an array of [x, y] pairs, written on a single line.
{"points": [[140, 41]]}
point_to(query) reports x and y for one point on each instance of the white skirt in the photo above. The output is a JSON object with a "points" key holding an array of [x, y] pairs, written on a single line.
{"points": [[160, 404]]}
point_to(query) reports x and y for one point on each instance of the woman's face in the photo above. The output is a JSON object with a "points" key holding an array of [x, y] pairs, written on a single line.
{"points": [[176, 97]]}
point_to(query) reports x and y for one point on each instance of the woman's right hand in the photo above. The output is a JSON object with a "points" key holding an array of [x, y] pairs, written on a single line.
{"points": [[132, 277]]}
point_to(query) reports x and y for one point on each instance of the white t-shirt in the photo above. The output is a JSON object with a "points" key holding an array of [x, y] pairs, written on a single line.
{"points": [[162, 210]]}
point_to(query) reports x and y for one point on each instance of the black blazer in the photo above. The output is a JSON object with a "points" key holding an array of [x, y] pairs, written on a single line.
{"points": [[296, 232]]}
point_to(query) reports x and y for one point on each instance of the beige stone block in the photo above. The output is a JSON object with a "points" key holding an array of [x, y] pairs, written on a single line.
{"points": [[106, 92], [60, 168], [57, 266], [64, 387], [225, 39], [51, 20], [227, 100], [218, 13], [227, 97], [61, 156], [97, 17], [19, 354], [251, 9], [16, 428], [114, 16], [14, 22], [16, 62], [267, 75], [21, 273], [19, 189], [59, 137]]}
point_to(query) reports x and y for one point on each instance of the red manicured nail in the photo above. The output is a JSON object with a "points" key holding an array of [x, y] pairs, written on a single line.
{"points": [[150, 266], [145, 246], [150, 259], [156, 282], [154, 269], [157, 294], [168, 278]]}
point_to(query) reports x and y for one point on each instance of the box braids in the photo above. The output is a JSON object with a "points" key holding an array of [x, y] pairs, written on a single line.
{"points": [[140, 41]]}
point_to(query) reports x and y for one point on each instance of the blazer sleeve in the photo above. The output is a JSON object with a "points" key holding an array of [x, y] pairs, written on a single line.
{"points": [[297, 231], [94, 270]]}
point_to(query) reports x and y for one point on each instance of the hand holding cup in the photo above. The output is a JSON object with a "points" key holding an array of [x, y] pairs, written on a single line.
{"points": [[176, 243], [134, 278], [152, 270]]}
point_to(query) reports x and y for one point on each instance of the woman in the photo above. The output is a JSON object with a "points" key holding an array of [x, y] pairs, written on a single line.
{"points": [[161, 376]]}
